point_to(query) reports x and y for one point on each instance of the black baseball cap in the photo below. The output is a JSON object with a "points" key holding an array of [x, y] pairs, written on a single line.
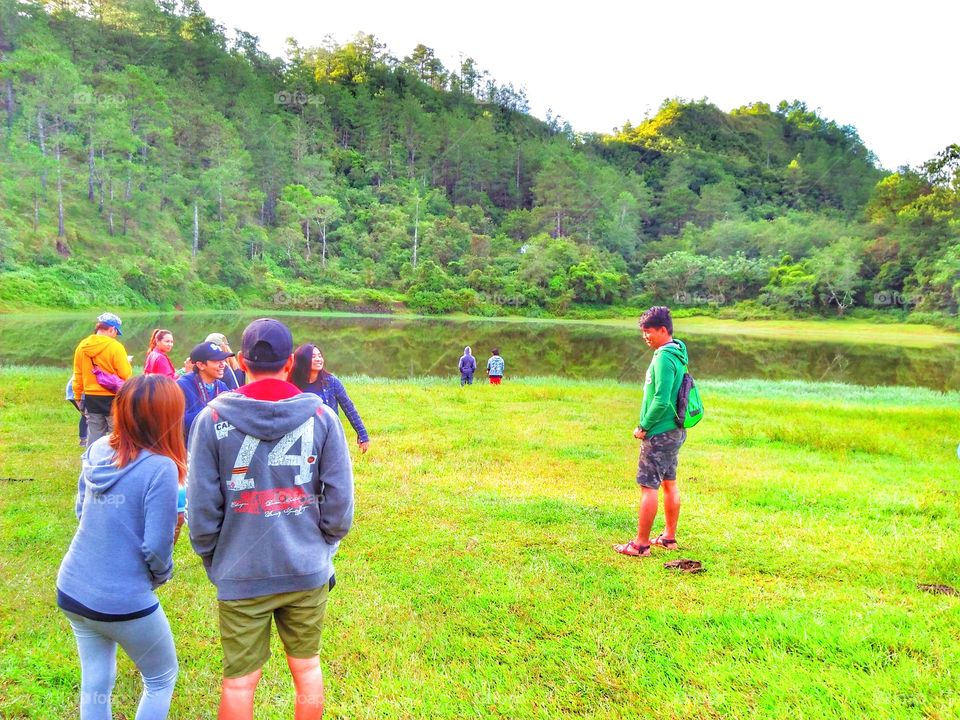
{"points": [[266, 343], [205, 352]]}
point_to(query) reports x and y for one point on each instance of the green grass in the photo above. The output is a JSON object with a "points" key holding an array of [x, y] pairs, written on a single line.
{"points": [[479, 579]]}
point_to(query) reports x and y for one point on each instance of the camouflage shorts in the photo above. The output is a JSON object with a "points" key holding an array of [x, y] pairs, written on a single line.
{"points": [[658, 458]]}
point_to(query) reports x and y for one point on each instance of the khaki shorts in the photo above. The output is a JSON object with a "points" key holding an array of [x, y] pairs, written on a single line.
{"points": [[245, 628]]}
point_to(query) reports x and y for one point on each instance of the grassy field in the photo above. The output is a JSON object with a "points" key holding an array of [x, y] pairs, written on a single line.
{"points": [[479, 580]]}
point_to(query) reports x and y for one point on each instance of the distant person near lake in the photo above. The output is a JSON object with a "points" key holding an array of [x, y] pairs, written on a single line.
{"points": [[495, 367], [467, 367], [659, 434], [269, 497], [310, 374], [98, 357], [158, 355], [122, 550]]}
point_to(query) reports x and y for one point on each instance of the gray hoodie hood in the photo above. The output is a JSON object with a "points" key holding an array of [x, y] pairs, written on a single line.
{"points": [[265, 419], [99, 470]]}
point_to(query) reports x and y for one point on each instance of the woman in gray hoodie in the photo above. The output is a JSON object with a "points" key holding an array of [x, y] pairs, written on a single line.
{"points": [[123, 548]]}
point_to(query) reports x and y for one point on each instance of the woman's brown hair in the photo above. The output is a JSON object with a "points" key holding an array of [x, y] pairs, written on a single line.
{"points": [[155, 337], [148, 415]]}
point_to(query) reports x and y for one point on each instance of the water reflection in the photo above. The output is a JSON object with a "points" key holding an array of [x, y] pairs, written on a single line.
{"points": [[390, 347]]}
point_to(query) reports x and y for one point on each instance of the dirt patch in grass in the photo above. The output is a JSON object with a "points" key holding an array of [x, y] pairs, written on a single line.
{"points": [[685, 565], [937, 589]]}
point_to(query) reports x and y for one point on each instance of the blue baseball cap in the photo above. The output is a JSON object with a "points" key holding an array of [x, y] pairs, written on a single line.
{"points": [[112, 320], [207, 351]]}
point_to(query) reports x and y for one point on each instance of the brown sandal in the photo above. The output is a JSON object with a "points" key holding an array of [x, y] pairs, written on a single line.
{"points": [[639, 550], [665, 543]]}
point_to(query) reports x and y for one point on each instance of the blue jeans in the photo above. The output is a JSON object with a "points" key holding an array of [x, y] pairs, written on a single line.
{"points": [[149, 643]]}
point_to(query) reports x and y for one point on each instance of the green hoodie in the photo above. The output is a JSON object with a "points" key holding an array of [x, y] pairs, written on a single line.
{"points": [[658, 414]]}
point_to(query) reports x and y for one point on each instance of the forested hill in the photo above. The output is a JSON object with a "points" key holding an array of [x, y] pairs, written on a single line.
{"points": [[148, 157]]}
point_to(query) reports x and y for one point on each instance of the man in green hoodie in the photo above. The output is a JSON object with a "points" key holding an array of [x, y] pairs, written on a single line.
{"points": [[659, 435]]}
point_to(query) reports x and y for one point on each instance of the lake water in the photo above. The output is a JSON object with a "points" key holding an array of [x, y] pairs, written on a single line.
{"points": [[404, 347]]}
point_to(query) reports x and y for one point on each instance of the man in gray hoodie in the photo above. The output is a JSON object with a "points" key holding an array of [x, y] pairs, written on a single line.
{"points": [[269, 497]]}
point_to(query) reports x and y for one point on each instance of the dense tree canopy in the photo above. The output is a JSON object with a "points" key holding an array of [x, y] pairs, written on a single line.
{"points": [[146, 148]]}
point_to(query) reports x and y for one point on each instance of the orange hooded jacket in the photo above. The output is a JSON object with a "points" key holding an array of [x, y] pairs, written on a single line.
{"points": [[107, 354]]}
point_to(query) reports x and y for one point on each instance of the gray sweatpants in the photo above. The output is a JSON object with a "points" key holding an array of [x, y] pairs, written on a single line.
{"points": [[149, 643], [97, 426]]}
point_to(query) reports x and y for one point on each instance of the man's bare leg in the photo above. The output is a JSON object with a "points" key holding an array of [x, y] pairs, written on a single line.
{"points": [[671, 508], [646, 514], [236, 697], [308, 682]]}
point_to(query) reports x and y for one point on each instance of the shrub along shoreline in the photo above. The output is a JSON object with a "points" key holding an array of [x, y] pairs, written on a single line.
{"points": [[69, 288]]}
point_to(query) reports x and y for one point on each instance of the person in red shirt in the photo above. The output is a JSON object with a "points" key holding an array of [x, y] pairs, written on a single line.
{"points": [[158, 355]]}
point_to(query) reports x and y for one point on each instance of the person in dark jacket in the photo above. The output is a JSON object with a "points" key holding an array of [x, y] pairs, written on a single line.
{"points": [[310, 375], [468, 366], [204, 383]]}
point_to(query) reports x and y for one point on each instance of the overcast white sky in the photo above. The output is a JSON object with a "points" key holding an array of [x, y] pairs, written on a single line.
{"points": [[888, 69]]}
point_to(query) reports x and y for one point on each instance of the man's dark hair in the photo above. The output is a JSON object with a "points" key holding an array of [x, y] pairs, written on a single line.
{"points": [[265, 368], [496, 351], [657, 317]]}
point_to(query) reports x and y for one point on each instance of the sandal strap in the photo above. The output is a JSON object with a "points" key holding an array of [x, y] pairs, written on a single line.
{"points": [[638, 549]]}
